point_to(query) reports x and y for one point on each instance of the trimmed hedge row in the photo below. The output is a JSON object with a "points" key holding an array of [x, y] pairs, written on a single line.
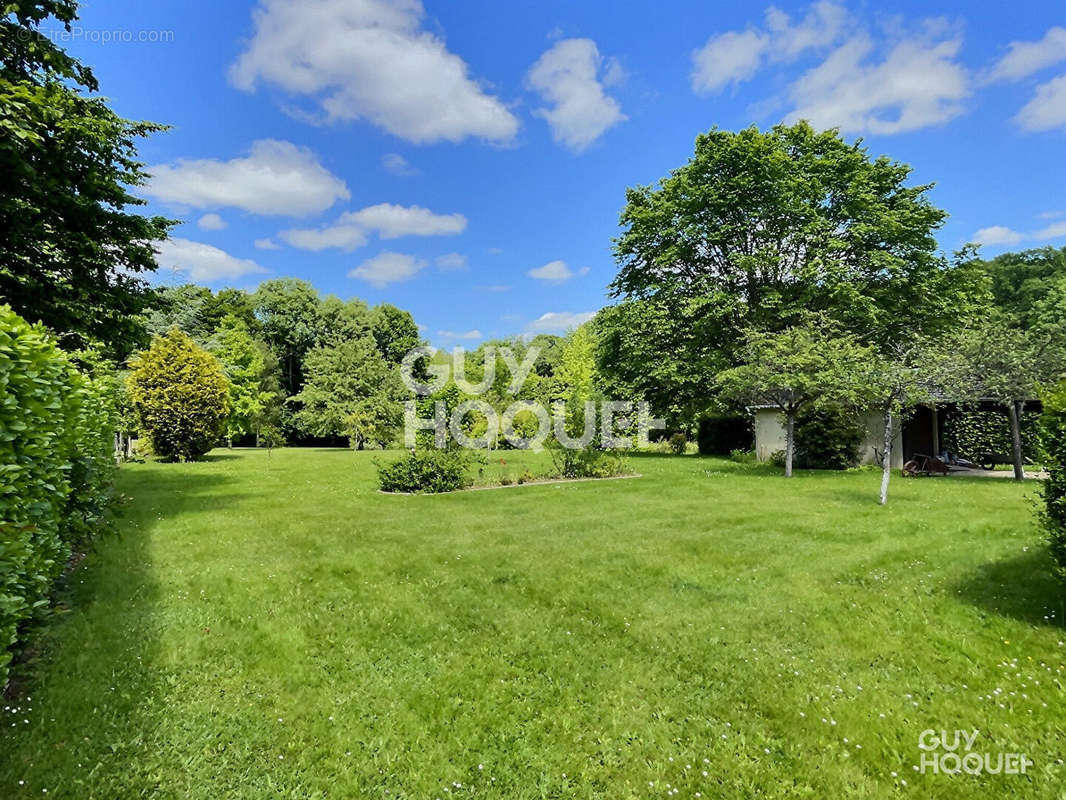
{"points": [[56, 468], [1054, 490]]}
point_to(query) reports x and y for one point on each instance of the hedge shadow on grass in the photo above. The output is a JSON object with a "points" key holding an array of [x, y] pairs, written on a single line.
{"points": [[96, 672], [1021, 587]]}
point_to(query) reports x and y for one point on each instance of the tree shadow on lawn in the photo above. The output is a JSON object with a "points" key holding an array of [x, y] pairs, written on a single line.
{"points": [[94, 670], [1022, 587]]}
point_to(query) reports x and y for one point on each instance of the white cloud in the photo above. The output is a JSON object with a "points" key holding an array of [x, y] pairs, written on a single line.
{"points": [[555, 272], [559, 321], [352, 228], [919, 83], [369, 59], [1001, 235], [276, 178], [862, 85], [392, 221], [730, 57], [1047, 109], [1053, 231], [450, 262], [1024, 58], [202, 262], [386, 268], [398, 165], [997, 234], [474, 334], [566, 77], [496, 289], [267, 244], [211, 222], [736, 56]]}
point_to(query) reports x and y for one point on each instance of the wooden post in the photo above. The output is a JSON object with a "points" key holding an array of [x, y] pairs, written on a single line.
{"points": [[934, 414]]}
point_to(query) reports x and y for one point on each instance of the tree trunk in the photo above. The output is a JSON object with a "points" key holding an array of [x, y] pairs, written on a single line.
{"points": [[1014, 411], [886, 461], [790, 442]]}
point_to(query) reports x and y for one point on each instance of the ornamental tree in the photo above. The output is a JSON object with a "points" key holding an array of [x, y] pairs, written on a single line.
{"points": [[793, 369], [180, 396]]}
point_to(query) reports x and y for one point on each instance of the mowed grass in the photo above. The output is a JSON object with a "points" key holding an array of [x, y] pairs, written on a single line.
{"points": [[272, 626]]}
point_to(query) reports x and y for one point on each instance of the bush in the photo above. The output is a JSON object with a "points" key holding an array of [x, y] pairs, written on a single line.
{"points": [[977, 434], [1053, 425], [719, 436], [827, 438], [56, 468], [427, 471], [180, 396], [678, 443], [746, 457]]}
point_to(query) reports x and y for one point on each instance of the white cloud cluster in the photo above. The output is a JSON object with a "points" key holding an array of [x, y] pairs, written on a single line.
{"points": [[556, 272], [386, 268], [1046, 109], [736, 56], [369, 59], [559, 321], [1001, 235], [389, 221], [276, 178], [474, 334], [919, 83], [909, 81], [571, 77], [201, 262]]}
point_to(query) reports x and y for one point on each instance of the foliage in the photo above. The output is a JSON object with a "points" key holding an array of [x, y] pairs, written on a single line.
{"points": [[270, 436], [56, 467], [790, 370], [287, 310], [349, 391], [72, 252], [1054, 490], [828, 437], [252, 385], [395, 332], [678, 443], [976, 433], [180, 396], [758, 229], [427, 471], [1020, 282], [720, 436]]}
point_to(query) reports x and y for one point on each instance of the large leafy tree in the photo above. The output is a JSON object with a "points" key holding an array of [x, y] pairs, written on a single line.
{"points": [[761, 227], [288, 311], [254, 398], [73, 252], [394, 331], [351, 391]]}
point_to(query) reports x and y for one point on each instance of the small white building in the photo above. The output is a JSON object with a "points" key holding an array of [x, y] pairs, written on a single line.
{"points": [[770, 437]]}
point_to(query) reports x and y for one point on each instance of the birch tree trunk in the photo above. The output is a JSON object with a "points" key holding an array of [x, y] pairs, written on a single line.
{"points": [[1014, 411], [886, 461], [790, 442]]}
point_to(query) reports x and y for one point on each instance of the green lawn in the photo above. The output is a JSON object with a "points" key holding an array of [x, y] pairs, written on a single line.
{"points": [[274, 627]]}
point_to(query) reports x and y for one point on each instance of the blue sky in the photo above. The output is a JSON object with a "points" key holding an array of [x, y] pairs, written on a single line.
{"points": [[467, 160]]}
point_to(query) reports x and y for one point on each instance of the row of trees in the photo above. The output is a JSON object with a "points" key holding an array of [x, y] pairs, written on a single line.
{"points": [[788, 268]]}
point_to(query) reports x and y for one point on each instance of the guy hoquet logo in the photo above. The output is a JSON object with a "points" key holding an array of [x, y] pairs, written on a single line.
{"points": [[951, 752], [612, 414]]}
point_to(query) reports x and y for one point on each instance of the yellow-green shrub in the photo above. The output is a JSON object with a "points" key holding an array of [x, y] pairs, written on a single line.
{"points": [[180, 397], [56, 468]]}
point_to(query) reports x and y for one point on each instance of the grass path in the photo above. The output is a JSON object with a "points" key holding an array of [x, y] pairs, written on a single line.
{"points": [[274, 627]]}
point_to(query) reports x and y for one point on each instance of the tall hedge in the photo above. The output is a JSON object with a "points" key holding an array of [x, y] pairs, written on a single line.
{"points": [[1054, 445], [56, 468], [180, 396]]}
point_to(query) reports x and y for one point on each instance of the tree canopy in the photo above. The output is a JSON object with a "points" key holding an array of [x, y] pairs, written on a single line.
{"points": [[73, 251]]}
